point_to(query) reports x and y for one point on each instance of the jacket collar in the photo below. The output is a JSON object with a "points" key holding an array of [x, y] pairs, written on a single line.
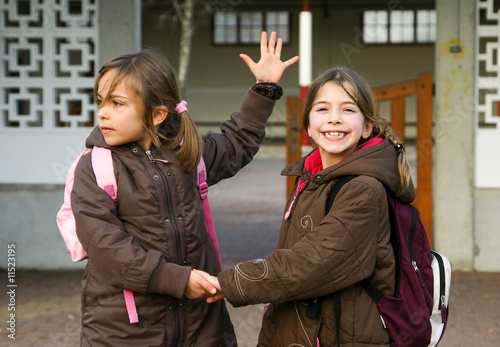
{"points": [[313, 164], [377, 158]]}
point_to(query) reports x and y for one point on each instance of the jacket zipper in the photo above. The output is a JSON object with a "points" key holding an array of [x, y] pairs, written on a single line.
{"points": [[176, 234]]}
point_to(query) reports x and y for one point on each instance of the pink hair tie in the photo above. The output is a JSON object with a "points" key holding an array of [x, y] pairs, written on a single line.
{"points": [[181, 107]]}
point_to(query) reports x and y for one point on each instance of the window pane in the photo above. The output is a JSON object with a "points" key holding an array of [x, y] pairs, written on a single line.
{"points": [[218, 35], [402, 26], [258, 18], [231, 35], [218, 18], [231, 19], [408, 17], [245, 36], [382, 18], [245, 27], [369, 17], [283, 17], [396, 18], [279, 22], [250, 23], [271, 18], [225, 25], [408, 33], [256, 34], [375, 27], [426, 26], [245, 19], [433, 25]]}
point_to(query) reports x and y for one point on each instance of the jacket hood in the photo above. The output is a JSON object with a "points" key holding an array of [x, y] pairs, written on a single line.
{"points": [[379, 161], [96, 138]]}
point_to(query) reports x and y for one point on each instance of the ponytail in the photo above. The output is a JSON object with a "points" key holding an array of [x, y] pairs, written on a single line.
{"points": [[188, 143], [403, 164]]}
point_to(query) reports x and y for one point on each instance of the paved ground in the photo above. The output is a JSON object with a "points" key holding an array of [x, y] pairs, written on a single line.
{"points": [[247, 212], [48, 312]]}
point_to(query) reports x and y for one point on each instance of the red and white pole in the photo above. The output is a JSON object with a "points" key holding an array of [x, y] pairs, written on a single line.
{"points": [[305, 62]]}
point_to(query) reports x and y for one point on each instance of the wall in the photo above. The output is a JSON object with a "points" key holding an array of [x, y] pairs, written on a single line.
{"points": [[28, 221], [487, 230]]}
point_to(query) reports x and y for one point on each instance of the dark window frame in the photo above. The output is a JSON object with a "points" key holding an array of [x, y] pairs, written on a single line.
{"points": [[238, 28]]}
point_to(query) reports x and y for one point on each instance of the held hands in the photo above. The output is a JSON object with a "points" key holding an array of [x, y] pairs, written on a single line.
{"points": [[203, 285], [270, 68]]}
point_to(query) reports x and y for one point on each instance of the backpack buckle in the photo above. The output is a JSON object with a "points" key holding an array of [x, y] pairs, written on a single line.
{"points": [[203, 190]]}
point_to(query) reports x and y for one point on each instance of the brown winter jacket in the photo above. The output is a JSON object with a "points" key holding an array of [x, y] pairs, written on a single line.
{"points": [[149, 242], [318, 255]]}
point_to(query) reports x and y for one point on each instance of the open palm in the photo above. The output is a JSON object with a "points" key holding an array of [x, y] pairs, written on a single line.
{"points": [[270, 68]]}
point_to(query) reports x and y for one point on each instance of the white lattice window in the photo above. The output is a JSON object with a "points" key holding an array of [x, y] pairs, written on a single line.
{"points": [[488, 64], [48, 58], [487, 89]]}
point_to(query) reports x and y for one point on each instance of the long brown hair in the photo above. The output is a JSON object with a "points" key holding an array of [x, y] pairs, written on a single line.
{"points": [[151, 77], [363, 96]]}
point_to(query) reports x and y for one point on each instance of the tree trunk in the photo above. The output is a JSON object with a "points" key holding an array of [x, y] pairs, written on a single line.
{"points": [[185, 13]]}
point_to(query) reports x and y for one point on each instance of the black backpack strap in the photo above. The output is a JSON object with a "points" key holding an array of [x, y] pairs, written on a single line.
{"points": [[333, 193], [337, 309], [314, 307], [371, 290], [413, 227], [442, 279], [396, 244]]}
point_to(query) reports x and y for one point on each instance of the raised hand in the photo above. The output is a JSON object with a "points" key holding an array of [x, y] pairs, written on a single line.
{"points": [[270, 68], [198, 286]]}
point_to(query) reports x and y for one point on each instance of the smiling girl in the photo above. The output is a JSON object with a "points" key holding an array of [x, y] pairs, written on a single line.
{"points": [[318, 255]]}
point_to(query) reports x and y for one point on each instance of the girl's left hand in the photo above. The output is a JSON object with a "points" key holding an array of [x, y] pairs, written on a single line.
{"points": [[198, 286], [270, 68], [213, 297]]}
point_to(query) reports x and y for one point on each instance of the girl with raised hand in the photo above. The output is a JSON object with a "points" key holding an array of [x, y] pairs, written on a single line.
{"points": [[150, 241]]}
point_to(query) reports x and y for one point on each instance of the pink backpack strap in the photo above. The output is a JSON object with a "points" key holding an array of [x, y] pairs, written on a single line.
{"points": [[203, 188], [133, 317], [102, 163], [104, 172]]}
